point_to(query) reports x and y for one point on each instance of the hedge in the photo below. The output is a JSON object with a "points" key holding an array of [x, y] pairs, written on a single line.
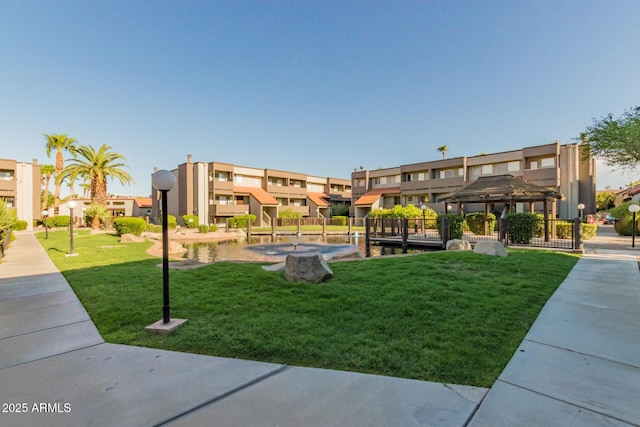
{"points": [[129, 225], [58, 221], [475, 222], [19, 225], [456, 224], [191, 224], [521, 227]]}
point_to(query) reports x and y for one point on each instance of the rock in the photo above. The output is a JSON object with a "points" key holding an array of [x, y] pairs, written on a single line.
{"points": [[490, 248], [458, 245], [310, 267], [351, 253], [131, 238], [176, 248]]}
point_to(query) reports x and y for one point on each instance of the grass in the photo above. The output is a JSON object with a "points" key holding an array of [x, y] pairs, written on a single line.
{"points": [[454, 317]]}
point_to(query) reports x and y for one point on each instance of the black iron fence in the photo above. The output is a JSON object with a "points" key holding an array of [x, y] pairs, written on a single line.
{"points": [[434, 233], [5, 239]]}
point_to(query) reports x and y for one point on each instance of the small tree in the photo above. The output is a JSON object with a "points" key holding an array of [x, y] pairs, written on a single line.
{"points": [[605, 200], [615, 140]]}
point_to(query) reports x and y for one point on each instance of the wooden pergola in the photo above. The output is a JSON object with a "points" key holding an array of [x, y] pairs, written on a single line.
{"points": [[504, 189]]}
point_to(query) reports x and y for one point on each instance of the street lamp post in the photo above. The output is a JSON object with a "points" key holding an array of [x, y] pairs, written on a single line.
{"points": [[163, 181], [71, 205], [580, 208], [633, 208], [45, 214], [424, 219]]}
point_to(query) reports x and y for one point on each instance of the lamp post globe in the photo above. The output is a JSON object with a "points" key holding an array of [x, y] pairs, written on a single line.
{"points": [[634, 208], [580, 208], [163, 181]]}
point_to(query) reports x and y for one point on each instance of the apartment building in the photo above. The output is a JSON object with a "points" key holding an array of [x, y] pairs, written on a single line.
{"points": [[555, 166], [20, 185], [215, 191]]}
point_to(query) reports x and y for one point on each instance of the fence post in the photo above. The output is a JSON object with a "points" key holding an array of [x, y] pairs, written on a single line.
{"points": [[445, 232], [502, 231], [248, 227], [577, 236], [299, 232], [349, 222], [367, 243], [324, 226], [405, 235]]}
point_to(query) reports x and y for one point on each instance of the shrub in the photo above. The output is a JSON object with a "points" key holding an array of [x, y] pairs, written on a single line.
{"points": [[241, 221], [157, 229], [193, 223], [58, 221], [150, 228], [129, 225], [475, 222], [339, 210], [564, 229], [288, 213], [521, 227], [624, 224], [203, 228], [456, 224], [339, 220], [589, 231], [213, 228], [172, 222], [19, 225], [96, 211]]}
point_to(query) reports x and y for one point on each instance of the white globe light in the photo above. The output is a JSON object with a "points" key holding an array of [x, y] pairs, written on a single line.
{"points": [[71, 204], [45, 213], [163, 180], [580, 206], [634, 208]]}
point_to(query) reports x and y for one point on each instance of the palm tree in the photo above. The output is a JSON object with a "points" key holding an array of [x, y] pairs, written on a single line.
{"points": [[47, 171], [443, 149], [58, 143], [97, 166]]}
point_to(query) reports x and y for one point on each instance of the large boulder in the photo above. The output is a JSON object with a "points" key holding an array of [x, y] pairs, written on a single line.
{"points": [[309, 267], [458, 245], [494, 248], [131, 238]]}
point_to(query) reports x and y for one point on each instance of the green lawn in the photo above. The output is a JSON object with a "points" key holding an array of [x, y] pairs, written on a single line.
{"points": [[453, 317]]}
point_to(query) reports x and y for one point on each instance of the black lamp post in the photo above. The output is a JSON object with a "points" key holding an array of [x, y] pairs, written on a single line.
{"points": [[71, 205], [45, 214], [580, 209], [633, 208], [163, 181], [424, 219]]}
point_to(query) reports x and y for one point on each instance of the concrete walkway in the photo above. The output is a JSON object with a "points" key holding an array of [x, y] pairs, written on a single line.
{"points": [[579, 365]]}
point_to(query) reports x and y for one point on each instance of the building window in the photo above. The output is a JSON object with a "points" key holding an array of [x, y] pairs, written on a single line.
{"points": [[6, 175], [487, 169], [10, 201], [549, 162], [533, 164], [513, 166]]}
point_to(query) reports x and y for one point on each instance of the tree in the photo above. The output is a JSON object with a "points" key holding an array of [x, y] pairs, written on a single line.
{"points": [[97, 166], [58, 143], [47, 171], [615, 140], [443, 149], [605, 200]]}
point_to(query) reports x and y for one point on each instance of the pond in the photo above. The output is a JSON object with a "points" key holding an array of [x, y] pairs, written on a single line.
{"points": [[270, 249]]}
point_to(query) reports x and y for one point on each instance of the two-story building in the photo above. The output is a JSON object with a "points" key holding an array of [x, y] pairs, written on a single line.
{"points": [[555, 166], [20, 185], [215, 191]]}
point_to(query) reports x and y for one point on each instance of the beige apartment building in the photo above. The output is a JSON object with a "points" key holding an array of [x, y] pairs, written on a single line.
{"points": [[215, 191], [555, 166], [20, 185]]}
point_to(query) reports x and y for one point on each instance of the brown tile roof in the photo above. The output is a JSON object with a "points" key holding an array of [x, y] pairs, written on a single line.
{"points": [[372, 196], [258, 193], [143, 202], [318, 198]]}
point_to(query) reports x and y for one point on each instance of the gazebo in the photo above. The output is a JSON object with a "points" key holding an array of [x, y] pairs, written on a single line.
{"points": [[505, 189]]}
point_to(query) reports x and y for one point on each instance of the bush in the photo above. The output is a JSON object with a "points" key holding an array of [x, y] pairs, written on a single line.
{"points": [[624, 224], [193, 223], [172, 222], [456, 224], [19, 224], [521, 227], [475, 222], [589, 231], [213, 228], [339, 220], [339, 210], [564, 229], [129, 225], [203, 228], [241, 221], [58, 221], [288, 213]]}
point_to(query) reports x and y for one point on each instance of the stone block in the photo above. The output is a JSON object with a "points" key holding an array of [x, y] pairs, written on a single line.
{"points": [[308, 267], [458, 245], [493, 248]]}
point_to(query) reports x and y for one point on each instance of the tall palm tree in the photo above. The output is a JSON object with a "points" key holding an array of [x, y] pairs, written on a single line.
{"points": [[443, 149], [47, 171], [59, 143], [97, 166]]}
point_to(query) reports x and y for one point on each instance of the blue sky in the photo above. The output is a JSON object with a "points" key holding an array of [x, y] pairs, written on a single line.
{"points": [[318, 87]]}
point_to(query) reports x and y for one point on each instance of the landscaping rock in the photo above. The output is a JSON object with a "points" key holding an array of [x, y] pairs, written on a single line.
{"points": [[490, 248], [352, 253], [310, 267], [458, 245], [131, 238], [176, 248]]}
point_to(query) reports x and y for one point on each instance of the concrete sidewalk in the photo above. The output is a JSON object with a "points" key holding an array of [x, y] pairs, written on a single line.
{"points": [[57, 371], [578, 365]]}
